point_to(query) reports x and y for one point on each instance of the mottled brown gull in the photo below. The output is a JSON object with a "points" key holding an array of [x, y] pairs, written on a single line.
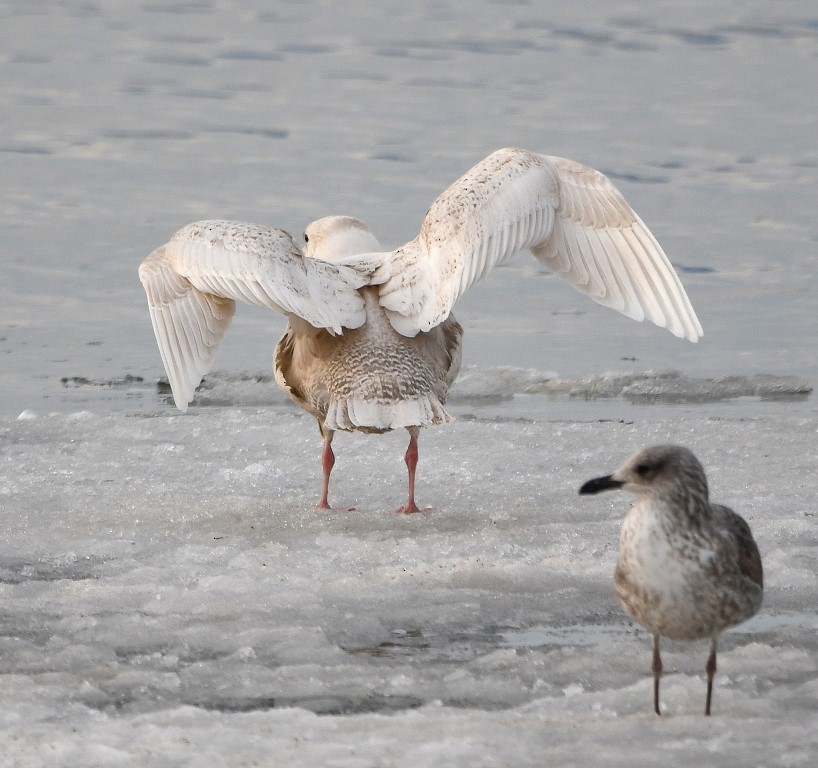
{"points": [[371, 343], [687, 569]]}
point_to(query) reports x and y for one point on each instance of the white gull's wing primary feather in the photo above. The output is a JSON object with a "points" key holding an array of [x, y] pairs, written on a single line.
{"points": [[604, 249], [570, 216], [189, 325], [193, 281]]}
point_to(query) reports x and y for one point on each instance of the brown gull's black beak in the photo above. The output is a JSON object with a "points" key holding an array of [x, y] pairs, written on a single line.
{"points": [[599, 484]]}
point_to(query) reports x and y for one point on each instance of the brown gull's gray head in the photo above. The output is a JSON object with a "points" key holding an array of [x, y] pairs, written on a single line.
{"points": [[661, 470]]}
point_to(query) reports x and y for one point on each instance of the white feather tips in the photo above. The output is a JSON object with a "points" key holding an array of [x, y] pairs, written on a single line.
{"points": [[188, 324], [355, 413]]}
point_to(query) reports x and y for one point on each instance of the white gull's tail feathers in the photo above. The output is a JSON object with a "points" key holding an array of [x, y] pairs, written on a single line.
{"points": [[368, 415]]}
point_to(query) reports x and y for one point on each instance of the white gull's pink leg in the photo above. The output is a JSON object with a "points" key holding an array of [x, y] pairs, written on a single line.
{"points": [[411, 459], [327, 463]]}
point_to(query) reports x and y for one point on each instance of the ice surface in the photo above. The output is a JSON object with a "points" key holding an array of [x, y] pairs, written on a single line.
{"points": [[169, 592], [169, 595]]}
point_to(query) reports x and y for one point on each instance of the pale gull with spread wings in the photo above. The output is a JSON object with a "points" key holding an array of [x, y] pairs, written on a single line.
{"points": [[372, 344]]}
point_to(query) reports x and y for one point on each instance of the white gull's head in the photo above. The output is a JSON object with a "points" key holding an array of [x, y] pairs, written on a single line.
{"points": [[337, 237]]}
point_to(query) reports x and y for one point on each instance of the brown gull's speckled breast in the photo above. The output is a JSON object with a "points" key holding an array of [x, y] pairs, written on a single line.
{"points": [[687, 581]]}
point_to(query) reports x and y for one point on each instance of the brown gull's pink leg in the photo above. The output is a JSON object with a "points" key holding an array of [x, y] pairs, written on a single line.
{"points": [[657, 673], [711, 671]]}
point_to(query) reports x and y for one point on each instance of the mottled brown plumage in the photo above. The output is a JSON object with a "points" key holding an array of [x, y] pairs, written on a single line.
{"points": [[686, 569], [371, 378]]}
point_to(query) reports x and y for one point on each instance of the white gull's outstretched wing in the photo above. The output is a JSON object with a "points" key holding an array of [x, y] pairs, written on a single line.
{"points": [[193, 281], [570, 216], [604, 249]]}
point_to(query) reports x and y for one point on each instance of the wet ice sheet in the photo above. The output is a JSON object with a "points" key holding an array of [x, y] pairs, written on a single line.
{"points": [[499, 390], [169, 589], [605, 634]]}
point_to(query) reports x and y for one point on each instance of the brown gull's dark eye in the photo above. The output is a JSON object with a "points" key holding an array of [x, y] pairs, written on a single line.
{"points": [[642, 469]]}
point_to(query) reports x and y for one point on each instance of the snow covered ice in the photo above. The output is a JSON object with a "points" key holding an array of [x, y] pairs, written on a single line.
{"points": [[167, 594], [170, 596]]}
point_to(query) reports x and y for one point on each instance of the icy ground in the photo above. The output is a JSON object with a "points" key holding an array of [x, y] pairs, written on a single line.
{"points": [[171, 597]]}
